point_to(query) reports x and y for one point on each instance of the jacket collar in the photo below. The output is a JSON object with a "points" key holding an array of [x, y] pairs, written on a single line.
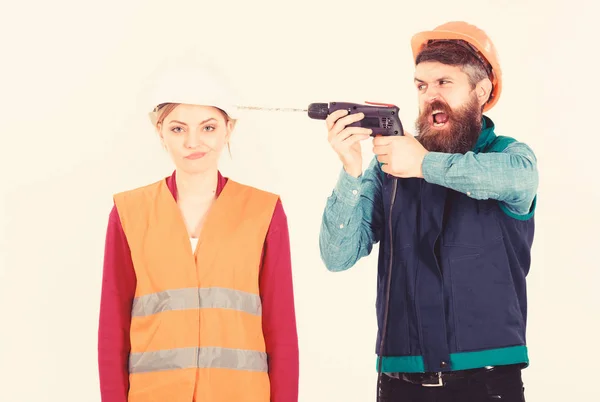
{"points": [[487, 135]]}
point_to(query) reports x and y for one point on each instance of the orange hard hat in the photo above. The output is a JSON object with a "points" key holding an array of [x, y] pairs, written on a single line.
{"points": [[479, 42]]}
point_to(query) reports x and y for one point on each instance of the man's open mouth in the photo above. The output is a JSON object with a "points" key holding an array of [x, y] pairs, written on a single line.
{"points": [[439, 118]]}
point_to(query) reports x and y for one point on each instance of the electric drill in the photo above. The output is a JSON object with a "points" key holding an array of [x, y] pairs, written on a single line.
{"points": [[382, 118]]}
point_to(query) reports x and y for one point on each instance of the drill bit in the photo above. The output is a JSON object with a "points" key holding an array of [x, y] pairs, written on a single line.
{"points": [[272, 109]]}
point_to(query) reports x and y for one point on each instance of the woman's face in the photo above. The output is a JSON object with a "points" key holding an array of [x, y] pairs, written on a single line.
{"points": [[194, 136]]}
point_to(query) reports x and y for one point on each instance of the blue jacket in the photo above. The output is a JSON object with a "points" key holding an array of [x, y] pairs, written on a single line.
{"points": [[458, 259]]}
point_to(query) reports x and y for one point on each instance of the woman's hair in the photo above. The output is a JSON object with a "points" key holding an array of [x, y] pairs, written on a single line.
{"points": [[164, 109]]}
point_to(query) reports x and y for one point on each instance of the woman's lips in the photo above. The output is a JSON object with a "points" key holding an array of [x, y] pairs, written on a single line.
{"points": [[196, 155]]}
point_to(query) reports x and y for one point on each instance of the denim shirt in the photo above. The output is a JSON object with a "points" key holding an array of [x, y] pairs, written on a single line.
{"points": [[353, 215]]}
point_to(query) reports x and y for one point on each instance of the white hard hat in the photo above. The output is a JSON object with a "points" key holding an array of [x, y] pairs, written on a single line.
{"points": [[192, 86]]}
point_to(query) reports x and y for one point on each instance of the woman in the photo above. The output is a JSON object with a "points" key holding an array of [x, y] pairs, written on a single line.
{"points": [[197, 296]]}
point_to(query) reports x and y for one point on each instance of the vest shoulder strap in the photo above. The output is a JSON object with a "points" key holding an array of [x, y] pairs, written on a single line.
{"points": [[131, 203], [252, 191], [250, 201]]}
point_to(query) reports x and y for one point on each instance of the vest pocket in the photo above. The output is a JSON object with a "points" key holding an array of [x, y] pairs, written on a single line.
{"points": [[484, 303]]}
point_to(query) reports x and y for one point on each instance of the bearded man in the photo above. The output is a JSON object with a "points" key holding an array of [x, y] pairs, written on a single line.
{"points": [[452, 210]]}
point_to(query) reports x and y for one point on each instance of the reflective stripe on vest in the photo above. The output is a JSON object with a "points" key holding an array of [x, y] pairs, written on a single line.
{"points": [[196, 324], [207, 357], [190, 298]]}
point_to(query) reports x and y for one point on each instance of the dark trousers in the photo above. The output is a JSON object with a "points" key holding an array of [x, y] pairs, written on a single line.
{"points": [[500, 384]]}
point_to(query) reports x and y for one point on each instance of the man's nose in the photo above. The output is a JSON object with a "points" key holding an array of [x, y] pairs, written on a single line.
{"points": [[431, 94]]}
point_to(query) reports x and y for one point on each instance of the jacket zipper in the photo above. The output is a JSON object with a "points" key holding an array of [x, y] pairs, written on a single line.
{"points": [[388, 284]]}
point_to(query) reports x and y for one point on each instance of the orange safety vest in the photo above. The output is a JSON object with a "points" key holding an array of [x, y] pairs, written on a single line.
{"points": [[196, 327]]}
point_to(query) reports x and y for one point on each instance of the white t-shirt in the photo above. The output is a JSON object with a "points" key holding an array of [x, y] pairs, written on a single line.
{"points": [[193, 242]]}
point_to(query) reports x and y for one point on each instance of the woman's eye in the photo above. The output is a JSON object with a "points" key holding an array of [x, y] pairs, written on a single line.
{"points": [[177, 130], [209, 128]]}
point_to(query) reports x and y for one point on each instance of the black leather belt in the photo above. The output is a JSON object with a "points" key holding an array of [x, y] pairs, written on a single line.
{"points": [[440, 379]]}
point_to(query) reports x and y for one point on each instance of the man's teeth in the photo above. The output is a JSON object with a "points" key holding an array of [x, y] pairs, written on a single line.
{"points": [[436, 124]]}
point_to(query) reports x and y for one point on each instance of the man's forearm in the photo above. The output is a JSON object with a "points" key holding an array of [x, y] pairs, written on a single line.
{"points": [[510, 176], [351, 219]]}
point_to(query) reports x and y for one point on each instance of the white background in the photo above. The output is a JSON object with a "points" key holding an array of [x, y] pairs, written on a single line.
{"points": [[74, 133]]}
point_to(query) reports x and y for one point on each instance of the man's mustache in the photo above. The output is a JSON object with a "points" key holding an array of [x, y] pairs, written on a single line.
{"points": [[437, 105]]}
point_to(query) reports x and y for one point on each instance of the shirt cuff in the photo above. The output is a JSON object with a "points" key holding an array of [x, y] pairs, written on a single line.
{"points": [[433, 167], [348, 188]]}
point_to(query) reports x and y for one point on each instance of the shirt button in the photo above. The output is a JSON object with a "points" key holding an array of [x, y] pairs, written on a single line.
{"points": [[342, 226], [444, 364], [354, 192]]}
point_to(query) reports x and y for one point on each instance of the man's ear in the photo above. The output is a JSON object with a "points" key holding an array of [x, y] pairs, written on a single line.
{"points": [[483, 90]]}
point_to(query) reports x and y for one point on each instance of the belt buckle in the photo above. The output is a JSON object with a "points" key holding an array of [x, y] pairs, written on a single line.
{"points": [[440, 383]]}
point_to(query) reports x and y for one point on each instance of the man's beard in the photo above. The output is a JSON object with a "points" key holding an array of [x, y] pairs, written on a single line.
{"points": [[462, 133]]}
